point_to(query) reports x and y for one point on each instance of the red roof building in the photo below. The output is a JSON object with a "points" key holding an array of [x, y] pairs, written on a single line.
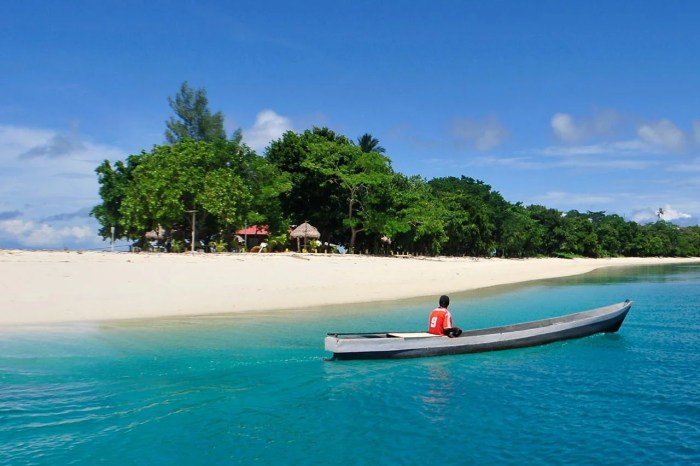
{"points": [[254, 230]]}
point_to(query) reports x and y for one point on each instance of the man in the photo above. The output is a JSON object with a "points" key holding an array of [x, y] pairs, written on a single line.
{"points": [[440, 321]]}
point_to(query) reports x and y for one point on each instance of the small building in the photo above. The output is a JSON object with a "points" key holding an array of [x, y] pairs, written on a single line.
{"points": [[253, 235]]}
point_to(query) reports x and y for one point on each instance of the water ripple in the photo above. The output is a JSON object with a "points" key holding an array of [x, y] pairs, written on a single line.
{"points": [[220, 394]]}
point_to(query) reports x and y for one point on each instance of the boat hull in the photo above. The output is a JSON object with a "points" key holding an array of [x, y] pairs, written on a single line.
{"points": [[397, 345]]}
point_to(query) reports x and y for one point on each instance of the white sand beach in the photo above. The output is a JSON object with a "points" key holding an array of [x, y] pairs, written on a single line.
{"points": [[69, 286]]}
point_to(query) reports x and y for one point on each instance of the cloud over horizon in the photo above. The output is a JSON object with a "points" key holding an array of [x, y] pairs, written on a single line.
{"points": [[663, 134], [33, 234], [572, 131], [481, 134], [48, 186], [651, 215], [268, 126]]}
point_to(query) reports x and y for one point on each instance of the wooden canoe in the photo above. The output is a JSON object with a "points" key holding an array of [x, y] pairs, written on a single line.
{"points": [[396, 345]]}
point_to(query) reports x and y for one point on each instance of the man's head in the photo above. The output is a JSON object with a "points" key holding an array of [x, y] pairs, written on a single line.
{"points": [[444, 301]]}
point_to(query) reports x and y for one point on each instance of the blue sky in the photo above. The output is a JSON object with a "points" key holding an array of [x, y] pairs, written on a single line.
{"points": [[585, 105]]}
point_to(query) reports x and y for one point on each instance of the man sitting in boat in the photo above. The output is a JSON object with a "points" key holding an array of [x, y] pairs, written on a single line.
{"points": [[440, 321]]}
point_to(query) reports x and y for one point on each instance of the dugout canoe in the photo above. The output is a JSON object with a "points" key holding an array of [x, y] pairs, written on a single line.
{"points": [[398, 345]]}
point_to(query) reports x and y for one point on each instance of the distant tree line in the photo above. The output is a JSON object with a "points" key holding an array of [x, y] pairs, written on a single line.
{"points": [[349, 191]]}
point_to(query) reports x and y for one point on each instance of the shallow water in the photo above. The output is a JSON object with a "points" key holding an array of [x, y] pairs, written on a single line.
{"points": [[257, 389]]}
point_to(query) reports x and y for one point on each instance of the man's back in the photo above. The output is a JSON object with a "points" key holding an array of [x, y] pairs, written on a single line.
{"points": [[439, 320]]}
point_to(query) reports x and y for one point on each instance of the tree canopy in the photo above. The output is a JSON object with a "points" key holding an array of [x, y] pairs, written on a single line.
{"points": [[350, 192], [224, 181], [194, 119]]}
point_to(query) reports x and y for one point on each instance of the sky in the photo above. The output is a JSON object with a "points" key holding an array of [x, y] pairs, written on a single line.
{"points": [[586, 105]]}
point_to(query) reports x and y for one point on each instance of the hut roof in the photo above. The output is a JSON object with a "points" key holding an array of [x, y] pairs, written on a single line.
{"points": [[253, 230], [305, 230], [155, 235]]}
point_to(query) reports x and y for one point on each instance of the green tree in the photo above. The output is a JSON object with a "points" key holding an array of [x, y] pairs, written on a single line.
{"points": [[470, 223], [310, 198], [614, 234], [226, 182], [360, 177], [522, 236], [416, 218], [660, 213], [579, 235], [194, 119], [114, 182], [369, 143], [690, 242]]}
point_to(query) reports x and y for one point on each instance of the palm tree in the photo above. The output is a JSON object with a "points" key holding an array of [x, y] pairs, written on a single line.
{"points": [[660, 213], [368, 144]]}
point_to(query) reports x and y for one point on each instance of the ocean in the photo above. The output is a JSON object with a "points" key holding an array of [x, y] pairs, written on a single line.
{"points": [[259, 388]]}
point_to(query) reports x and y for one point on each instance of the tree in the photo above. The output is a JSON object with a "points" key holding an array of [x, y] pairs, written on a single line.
{"points": [[521, 236], [552, 223], [309, 198], [415, 217], [615, 235], [194, 119], [368, 143], [114, 183], [360, 177], [660, 213], [470, 223], [226, 182]]}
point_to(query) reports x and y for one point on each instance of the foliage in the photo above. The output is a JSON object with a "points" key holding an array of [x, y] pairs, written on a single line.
{"points": [[416, 220], [278, 242], [358, 177], [522, 236], [369, 143], [470, 224], [350, 192], [309, 198], [177, 246], [223, 181], [335, 186], [194, 119], [219, 245], [114, 184]]}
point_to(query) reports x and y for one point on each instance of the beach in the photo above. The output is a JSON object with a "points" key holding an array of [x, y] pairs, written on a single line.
{"points": [[39, 287]]}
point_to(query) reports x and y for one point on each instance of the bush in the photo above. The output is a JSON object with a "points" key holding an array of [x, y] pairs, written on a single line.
{"points": [[220, 246], [177, 246]]}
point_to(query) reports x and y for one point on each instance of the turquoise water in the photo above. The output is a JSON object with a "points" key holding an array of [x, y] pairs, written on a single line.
{"points": [[256, 389]]}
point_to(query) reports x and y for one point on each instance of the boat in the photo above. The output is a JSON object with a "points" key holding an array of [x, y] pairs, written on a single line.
{"points": [[400, 345]]}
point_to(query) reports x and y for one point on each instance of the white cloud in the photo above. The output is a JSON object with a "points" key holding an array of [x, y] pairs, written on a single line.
{"points": [[651, 215], [693, 166], [565, 129], [509, 162], [662, 134], [481, 134], [59, 145], [621, 155], [619, 147], [47, 173], [31, 234], [571, 131], [607, 164], [696, 131], [268, 127], [560, 198], [16, 140]]}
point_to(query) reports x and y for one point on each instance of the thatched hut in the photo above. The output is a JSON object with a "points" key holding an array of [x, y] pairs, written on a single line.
{"points": [[306, 231]]}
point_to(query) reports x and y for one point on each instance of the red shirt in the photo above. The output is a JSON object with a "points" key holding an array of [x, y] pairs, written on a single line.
{"points": [[439, 320]]}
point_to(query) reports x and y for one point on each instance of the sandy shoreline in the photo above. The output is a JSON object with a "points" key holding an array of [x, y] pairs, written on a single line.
{"points": [[58, 286]]}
